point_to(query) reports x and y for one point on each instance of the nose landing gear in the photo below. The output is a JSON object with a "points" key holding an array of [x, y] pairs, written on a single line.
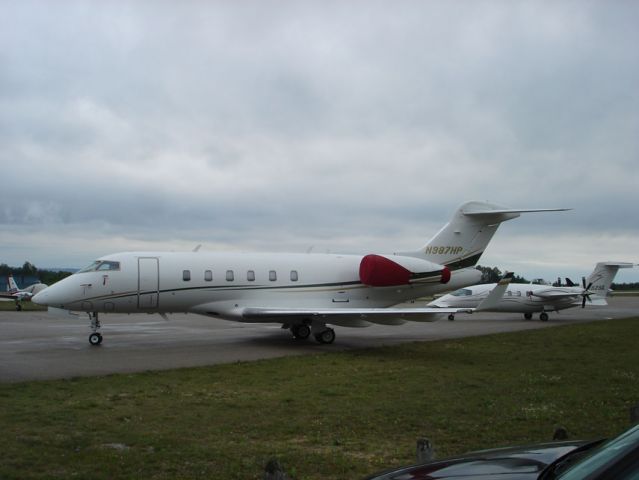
{"points": [[96, 337]]}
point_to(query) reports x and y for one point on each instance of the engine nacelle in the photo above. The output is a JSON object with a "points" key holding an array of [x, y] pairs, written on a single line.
{"points": [[387, 271], [459, 279]]}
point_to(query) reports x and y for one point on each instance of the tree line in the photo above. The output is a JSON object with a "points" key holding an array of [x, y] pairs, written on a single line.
{"points": [[30, 270], [493, 275]]}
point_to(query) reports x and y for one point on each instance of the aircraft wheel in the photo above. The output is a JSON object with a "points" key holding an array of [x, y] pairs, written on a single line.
{"points": [[326, 336], [451, 317], [301, 331], [95, 339], [18, 307], [543, 317], [527, 316]]}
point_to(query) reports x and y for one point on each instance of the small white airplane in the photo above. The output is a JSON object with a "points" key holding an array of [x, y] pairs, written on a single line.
{"points": [[19, 296], [528, 298], [303, 292]]}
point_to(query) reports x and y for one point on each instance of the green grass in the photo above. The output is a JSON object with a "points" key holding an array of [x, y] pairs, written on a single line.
{"points": [[327, 416]]}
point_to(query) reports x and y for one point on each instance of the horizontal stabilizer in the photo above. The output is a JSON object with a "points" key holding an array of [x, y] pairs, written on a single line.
{"points": [[472, 213], [618, 264]]}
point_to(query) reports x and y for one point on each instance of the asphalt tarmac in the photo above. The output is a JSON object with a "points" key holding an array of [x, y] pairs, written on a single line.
{"points": [[42, 346]]}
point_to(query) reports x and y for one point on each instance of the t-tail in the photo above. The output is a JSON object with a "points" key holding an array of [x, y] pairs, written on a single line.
{"points": [[462, 241], [599, 281]]}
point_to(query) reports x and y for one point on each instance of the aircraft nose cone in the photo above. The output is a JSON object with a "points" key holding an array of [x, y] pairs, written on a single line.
{"points": [[41, 298]]}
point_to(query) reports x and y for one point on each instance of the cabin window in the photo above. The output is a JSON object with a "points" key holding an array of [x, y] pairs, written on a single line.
{"points": [[519, 293], [208, 275], [293, 275], [509, 293], [250, 276], [272, 275], [186, 275], [230, 276]]}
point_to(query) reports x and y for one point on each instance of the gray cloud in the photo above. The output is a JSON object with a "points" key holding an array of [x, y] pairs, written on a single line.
{"points": [[283, 125]]}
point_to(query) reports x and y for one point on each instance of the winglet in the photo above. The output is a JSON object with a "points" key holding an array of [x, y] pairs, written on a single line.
{"points": [[493, 298]]}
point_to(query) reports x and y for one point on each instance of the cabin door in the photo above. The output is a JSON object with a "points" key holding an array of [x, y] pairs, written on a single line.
{"points": [[148, 282]]}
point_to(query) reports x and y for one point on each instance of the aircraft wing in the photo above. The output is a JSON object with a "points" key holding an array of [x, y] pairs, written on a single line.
{"points": [[18, 296], [362, 316], [350, 316], [551, 296], [555, 295]]}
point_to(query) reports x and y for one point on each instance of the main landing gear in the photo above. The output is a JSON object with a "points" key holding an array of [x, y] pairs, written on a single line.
{"points": [[18, 306], [96, 337], [322, 333], [325, 336], [543, 316], [301, 332]]}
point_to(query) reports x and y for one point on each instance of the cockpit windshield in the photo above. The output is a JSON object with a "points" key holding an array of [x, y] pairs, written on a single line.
{"points": [[462, 292], [101, 266]]}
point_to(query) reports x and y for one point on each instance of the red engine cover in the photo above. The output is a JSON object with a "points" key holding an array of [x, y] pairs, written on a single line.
{"points": [[445, 275], [378, 271]]}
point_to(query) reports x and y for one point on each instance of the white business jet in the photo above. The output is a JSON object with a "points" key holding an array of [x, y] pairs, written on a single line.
{"points": [[303, 292], [528, 298], [17, 295]]}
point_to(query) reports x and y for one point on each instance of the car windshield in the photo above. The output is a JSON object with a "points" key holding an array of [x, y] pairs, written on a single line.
{"points": [[100, 265], [604, 454]]}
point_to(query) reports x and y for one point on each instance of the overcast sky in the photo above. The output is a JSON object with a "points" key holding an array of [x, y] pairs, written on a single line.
{"points": [[343, 126]]}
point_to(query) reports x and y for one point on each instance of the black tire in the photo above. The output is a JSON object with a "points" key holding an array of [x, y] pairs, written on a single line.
{"points": [[451, 317], [95, 339], [326, 336], [527, 316], [18, 307], [302, 332], [543, 317]]}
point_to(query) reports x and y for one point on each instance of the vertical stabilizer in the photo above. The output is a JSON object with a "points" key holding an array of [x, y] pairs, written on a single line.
{"points": [[462, 241], [602, 276], [12, 287]]}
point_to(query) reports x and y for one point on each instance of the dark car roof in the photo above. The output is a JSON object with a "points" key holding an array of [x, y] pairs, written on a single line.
{"points": [[521, 463]]}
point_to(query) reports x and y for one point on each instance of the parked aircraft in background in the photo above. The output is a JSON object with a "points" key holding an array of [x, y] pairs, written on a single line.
{"points": [[303, 292], [529, 298], [15, 294]]}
